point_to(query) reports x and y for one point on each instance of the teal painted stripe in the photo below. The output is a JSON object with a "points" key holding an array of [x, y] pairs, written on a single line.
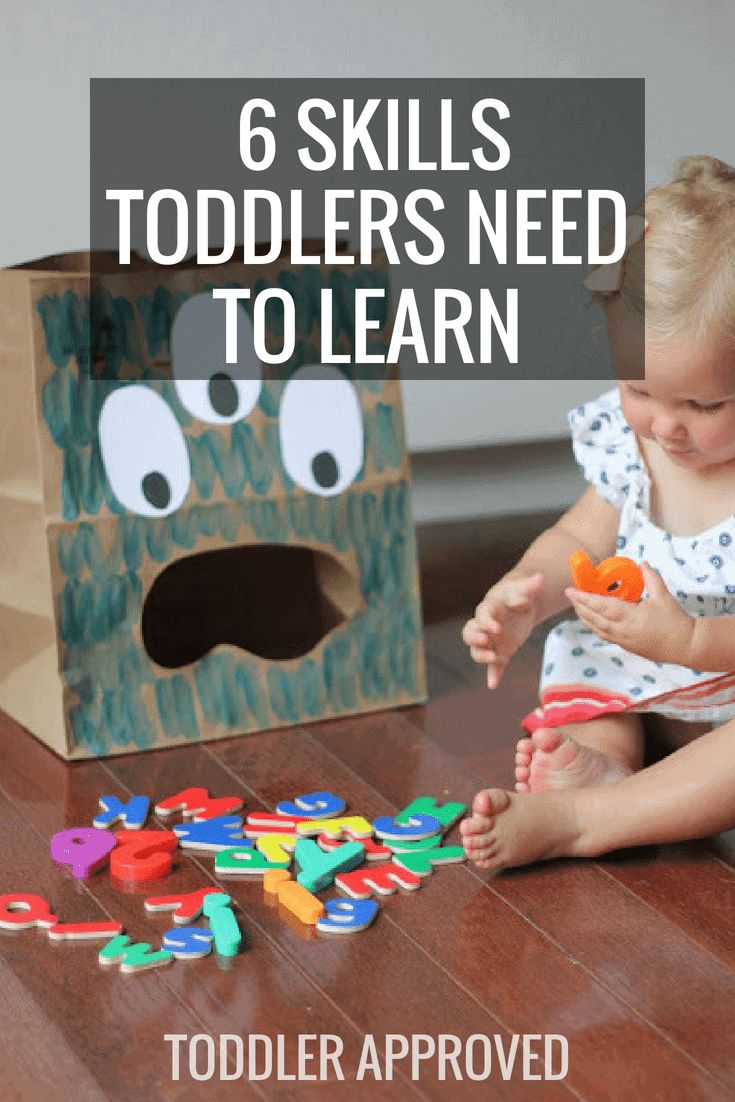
{"points": [[176, 710], [282, 695], [220, 693], [71, 401], [373, 656]]}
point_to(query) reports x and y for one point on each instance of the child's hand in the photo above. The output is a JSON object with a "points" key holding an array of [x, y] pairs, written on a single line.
{"points": [[657, 628], [502, 622]]}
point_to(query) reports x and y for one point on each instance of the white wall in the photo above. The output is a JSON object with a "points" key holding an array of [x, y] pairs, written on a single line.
{"points": [[49, 50]]}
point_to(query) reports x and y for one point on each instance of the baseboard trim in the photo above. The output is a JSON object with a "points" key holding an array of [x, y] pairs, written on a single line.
{"points": [[467, 483]]}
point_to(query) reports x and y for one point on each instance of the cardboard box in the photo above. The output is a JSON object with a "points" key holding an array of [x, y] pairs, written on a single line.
{"points": [[185, 555]]}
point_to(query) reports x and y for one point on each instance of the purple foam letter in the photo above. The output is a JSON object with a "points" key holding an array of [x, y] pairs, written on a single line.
{"points": [[83, 848]]}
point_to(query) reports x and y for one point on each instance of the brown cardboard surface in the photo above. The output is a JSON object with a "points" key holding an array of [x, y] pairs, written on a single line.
{"points": [[301, 605]]}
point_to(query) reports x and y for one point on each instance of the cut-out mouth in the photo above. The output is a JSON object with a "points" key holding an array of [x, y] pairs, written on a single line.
{"points": [[271, 600]]}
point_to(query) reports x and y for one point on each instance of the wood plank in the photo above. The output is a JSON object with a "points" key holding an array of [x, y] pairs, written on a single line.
{"points": [[619, 954], [472, 727], [581, 910], [366, 1090], [470, 931], [110, 1023], [460, 561], [669, 879], [405, 989], [440, 679], [689, 884], [33, 1047], [262, 991]]}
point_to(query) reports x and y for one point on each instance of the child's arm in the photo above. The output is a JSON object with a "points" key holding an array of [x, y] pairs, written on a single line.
{"points": [[713, 644], [591, 524], [534, 589], [659, 629]]}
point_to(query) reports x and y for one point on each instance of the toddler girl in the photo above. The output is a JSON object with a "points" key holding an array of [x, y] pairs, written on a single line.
{"points": [[659, 455]]}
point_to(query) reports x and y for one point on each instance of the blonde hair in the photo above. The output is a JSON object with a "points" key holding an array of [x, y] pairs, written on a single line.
{"points": [[680, 275]]}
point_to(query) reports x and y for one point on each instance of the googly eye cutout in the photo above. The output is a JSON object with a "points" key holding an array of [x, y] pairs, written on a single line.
{"points": [[209, 388], [144, 452], [321, 430]]}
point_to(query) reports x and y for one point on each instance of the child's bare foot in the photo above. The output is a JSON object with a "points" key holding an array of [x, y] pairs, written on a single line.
{"points": [[507, 830], [550, 759]]}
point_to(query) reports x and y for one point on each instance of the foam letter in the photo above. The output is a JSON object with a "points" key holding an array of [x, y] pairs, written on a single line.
{"points": [[396, 846], [299, 901], [314, 805], [143, 855], [78, 931], [421, 863], [273, 878], [347, 916], [197, 802], [415, 828], [373, 850], [133, 957], [19, 911], [226, 932], [186, 906], [447, 814], [318, 869], [240, 861], [277, 847], [84, 849], [218, 833], [355, 825], [384, 879], [265, 822], [133, 814], [188, 942]]}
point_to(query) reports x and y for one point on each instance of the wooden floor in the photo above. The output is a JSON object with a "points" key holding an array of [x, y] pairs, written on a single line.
{"points": [[631, 957]]}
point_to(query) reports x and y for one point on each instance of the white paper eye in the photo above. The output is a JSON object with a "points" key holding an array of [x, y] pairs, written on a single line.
{"points": [[211, 389], [144, 451], [321, 430]]}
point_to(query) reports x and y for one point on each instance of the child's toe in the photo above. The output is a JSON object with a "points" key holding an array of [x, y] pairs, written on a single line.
{"points": [[481, 804], [475, 842], [547, 739], [498, 800], [477, 824]]}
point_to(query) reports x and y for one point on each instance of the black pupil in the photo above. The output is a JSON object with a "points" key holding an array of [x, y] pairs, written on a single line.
{"points": [[156, 490], [325, 470], [223, 394], [612, 586]]}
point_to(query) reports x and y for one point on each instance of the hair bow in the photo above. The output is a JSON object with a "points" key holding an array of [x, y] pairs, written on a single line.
{"points": [[608, 278]]}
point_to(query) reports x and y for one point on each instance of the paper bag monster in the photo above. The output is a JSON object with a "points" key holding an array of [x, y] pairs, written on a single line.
{"points": [[185, 555]]}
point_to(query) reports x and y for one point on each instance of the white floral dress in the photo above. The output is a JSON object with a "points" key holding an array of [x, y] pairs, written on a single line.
{"points": [[584, 676]]}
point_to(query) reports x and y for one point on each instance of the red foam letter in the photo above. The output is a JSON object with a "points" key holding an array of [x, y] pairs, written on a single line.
{"points": [[186, 906], [19, 911], [197, 802], [143, 854], [384, 879]]}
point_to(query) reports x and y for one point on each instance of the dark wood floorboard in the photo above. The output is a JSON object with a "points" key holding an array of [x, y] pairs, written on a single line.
{"points": [[630, 956], [580, 910], [390, 959]]}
